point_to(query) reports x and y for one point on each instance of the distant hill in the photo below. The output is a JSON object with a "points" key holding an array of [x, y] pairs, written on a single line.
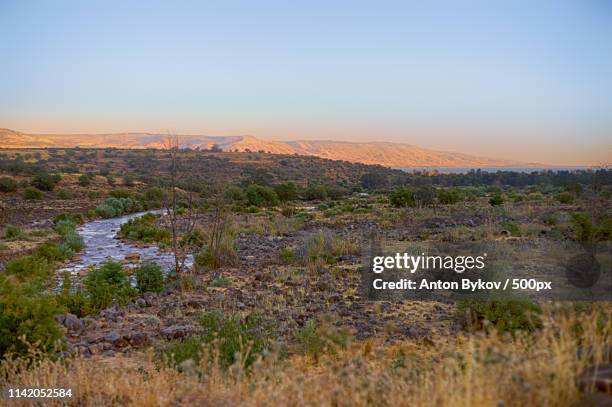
{"points": [[383, 153]]}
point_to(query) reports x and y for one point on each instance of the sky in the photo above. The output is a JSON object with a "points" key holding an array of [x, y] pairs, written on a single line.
{"points": [[521, 80]]}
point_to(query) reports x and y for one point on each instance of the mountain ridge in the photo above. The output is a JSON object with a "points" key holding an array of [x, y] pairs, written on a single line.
{"points": [[385, 153]]}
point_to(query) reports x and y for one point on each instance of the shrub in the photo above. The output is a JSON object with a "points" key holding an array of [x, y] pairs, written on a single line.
{"points": [[12, 232], [287, 255], [149, 277], [583, 227], [178, 352], [565, 198], [31, 193], [286, 192], [315, 193], [51, 251], [259, 195], [496, 200], [236, 338], [8, 184], [316, 340], [512, 227], [108, 284], [235, 194], [424, 195], [128, 180], [120, 193], [84, 180], [505, 316], [144, 229], [64, 194], [402, 197], [448, 196], [113, 207], [27, 317], [75, 218], [45, 181], [72, 243], [28, 267]]}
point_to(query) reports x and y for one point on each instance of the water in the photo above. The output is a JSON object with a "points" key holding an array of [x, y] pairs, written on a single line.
{"points": [[102, 244], [465, 170]]}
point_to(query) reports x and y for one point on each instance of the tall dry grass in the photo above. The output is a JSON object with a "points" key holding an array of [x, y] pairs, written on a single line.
{"points": [[478, 370]]}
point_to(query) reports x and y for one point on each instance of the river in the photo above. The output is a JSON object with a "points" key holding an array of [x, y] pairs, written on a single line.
{"points": [[102, 244]]}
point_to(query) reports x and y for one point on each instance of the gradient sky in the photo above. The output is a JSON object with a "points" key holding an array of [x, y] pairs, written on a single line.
{"points": [[525, 80]]}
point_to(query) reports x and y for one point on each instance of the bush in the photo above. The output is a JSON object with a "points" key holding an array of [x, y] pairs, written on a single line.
{"points": [[565, 198], [8, 184], [402, 197], [316, 340], [107, 285], [505, 316], [315, 193], [45, 182], [27, 317], [496, 200], [259, 195], [234, 336], [84, 180], [287, 255], [31, 193], [286, 192], [113, 207], [424, 195], [144, 229], [30, 267], [64, 194], [448, 196], [149, 277], [120, 193], [12, 232], [235, 194], [52, 252], [75, 218]]}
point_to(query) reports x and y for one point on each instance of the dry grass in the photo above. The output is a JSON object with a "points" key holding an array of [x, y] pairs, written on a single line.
{"points": [[481, 370]]}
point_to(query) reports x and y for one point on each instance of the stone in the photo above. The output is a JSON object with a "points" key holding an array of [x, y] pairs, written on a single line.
{"points": [[115, 339], [177, 331], [594, 400], [141, 303], [139, 339], [70, 321], [597, 377], [132, 257]]}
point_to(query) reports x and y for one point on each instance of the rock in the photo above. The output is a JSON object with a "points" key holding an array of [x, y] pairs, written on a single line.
{"points": [[240, 305], [139, 339], [597, 377], [70, 321], [149, 298], [132, 257], [141, 303], [177, 331], [594, 400], [115, 339]]}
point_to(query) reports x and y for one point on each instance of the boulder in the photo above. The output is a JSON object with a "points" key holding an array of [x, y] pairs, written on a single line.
{"points": [[177, 331], [597, 377], [115, 339], [70, 321]]}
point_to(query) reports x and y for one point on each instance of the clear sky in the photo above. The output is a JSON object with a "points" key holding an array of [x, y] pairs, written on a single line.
{"points": [[528, 80]]}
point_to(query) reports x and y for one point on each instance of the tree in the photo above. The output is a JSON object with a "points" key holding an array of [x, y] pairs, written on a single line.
{"points": [[371, 180], [185, 221], [402, 197]]}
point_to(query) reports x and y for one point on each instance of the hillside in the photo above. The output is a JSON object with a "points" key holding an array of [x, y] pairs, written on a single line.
{"points": [[383, 153]]}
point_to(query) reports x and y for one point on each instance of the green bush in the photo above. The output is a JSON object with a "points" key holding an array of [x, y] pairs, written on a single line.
{"points": [[315, 193], [287, 255], [120, 193], [402, 197], [107, 285], [32, 193], [27, 318], [84, 180], [496, 200], [77, 302], [178, 352], [75, 218], [144, 229], [8, 184], [317, 339], [448, 196], [52, 252], [113, 207], [235, 336], [30, 267], [149, 277], [259, 195], [12, 232], [286, 192], [45, 181], [565, 198], [505, 316]]}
